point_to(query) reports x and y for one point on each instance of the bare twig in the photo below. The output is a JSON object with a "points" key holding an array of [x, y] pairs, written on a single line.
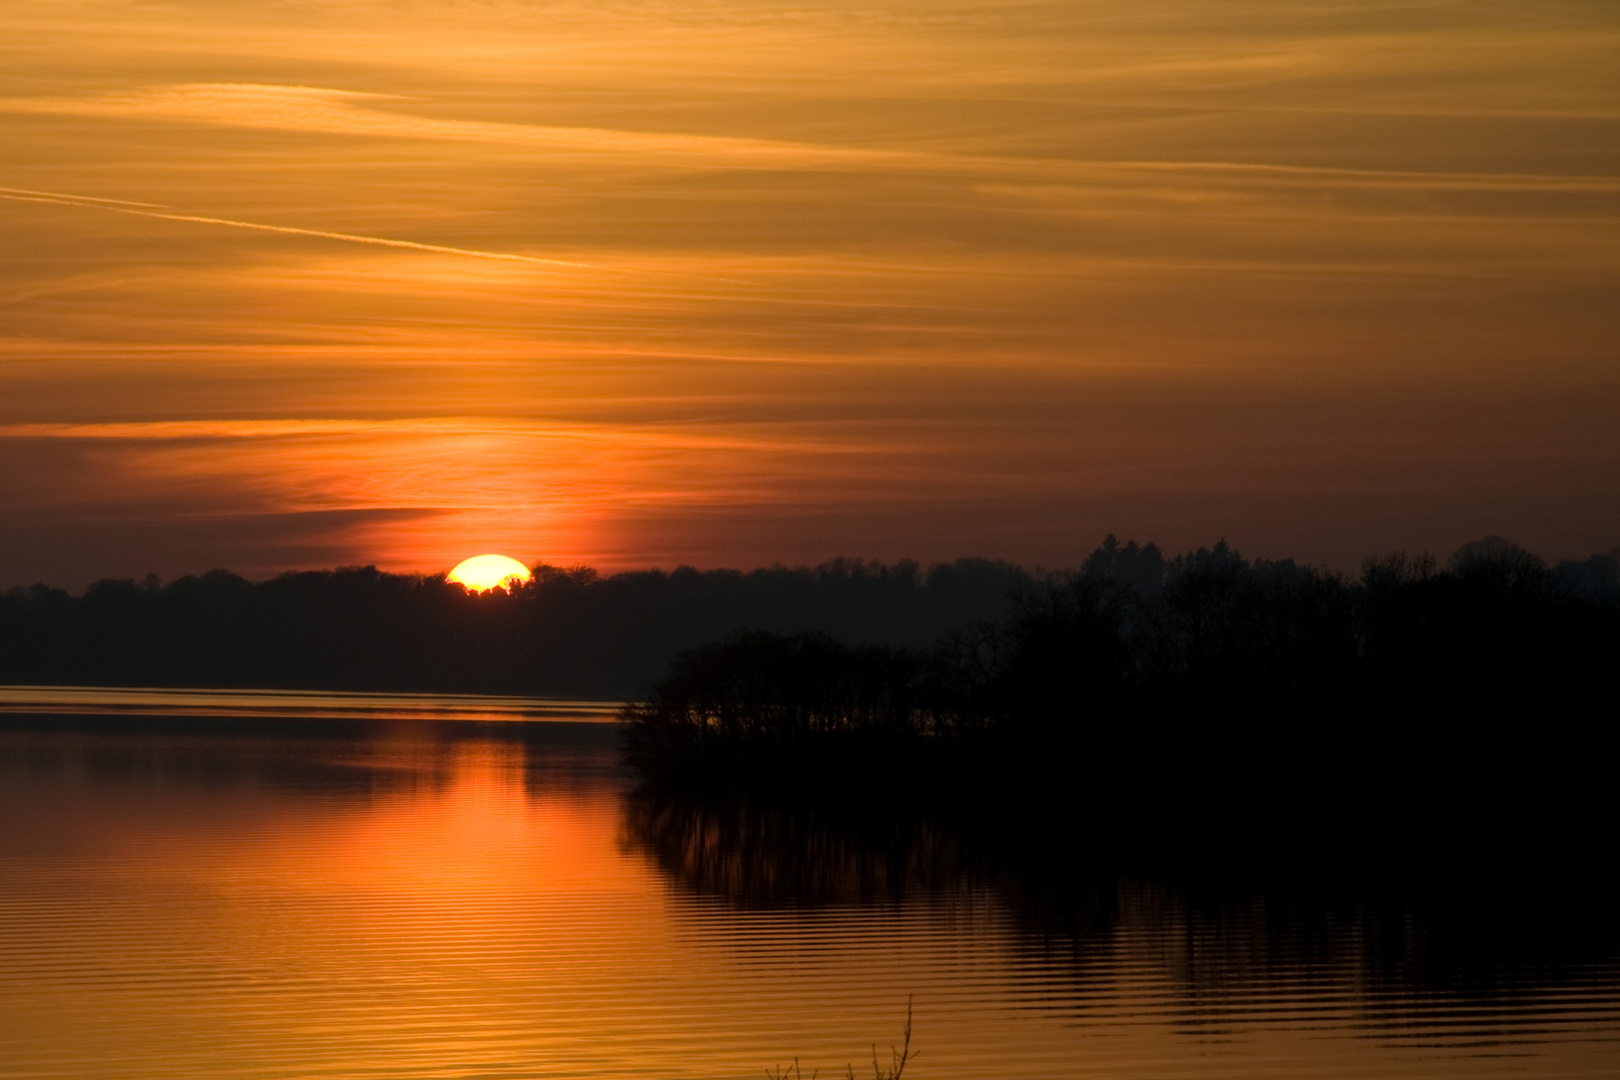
{"points": [[779, 1073], [897, 1060]]}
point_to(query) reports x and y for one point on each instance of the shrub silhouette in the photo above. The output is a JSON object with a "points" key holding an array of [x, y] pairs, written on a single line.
{"points": [[1242, 688]]}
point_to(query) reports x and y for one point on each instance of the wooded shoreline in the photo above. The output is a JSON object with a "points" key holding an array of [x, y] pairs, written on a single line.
{"points": [[1408, 705]]}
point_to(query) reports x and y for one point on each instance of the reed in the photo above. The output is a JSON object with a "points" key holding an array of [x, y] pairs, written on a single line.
{"points": [[898, 1058]]}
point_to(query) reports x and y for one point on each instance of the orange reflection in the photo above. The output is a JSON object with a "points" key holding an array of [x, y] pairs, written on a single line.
{"points": [[208, 906]]}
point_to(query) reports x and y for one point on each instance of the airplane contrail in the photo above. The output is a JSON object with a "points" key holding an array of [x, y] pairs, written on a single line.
{"points": [[120, 206], [57, 196], [158, 210]]}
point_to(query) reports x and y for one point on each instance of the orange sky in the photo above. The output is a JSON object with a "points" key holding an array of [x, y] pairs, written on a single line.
{"points": [[306, 283]]}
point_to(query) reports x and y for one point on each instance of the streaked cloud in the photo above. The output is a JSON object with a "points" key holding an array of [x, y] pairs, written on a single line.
{"points": [[388, 282], [339, 112]]}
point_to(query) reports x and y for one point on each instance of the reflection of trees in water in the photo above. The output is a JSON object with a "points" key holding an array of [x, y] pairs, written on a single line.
{"points": [[1397, 945], [766, 858], [1455, 963]]}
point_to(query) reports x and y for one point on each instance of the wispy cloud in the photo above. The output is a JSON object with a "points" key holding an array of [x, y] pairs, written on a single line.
{"points": [[339, 112], [1130, 264], [319, 110], [620, 436]]}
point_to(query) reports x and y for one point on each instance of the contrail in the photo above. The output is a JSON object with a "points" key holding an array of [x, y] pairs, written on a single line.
{"points": [[121, 206], [58, 196]]}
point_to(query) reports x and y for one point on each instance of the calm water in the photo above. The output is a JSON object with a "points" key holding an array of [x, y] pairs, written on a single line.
{"points": [[240, 899], [293, 704]]}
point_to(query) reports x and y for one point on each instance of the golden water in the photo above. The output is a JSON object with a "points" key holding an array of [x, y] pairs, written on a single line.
{"points": [[282, 704], [457, 902]]}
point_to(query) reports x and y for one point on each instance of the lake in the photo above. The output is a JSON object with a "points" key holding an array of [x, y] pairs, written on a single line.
{"points": [[273, 893]]}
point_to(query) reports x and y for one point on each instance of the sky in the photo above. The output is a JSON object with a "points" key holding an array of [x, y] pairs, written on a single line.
{"points": [[634, 283]]}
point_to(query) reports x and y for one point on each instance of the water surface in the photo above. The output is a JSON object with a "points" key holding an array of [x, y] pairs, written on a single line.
{"points": [[285, 704], [409, 899]]}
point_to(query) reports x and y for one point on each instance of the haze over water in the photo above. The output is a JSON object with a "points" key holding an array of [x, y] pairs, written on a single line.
{"points": [[233, 901]]}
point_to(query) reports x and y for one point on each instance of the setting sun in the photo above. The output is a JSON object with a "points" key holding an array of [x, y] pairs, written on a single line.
{"points": [[484, 572]]}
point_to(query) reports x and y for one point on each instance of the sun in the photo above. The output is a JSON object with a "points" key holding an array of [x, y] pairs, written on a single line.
{"points": [[482, 573]]}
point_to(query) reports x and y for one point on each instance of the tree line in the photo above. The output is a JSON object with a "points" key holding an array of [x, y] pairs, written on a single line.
{"points": [[569, 633], [1145, 686]]}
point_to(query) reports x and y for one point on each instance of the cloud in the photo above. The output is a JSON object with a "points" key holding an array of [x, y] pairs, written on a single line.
{"points": [[341, 112], [68, 547], [422, 490], [1026, 271]]}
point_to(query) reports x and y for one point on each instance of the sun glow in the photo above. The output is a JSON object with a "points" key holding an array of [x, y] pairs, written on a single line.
{"points": [[482, 573]]}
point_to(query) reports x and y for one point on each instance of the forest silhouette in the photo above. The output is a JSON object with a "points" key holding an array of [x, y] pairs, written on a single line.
{"points": [[568, 633], [968, 645], [1200, 719], [1174, 702]]}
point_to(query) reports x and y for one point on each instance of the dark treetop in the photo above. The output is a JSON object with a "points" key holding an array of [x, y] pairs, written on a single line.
{"points": [[1141, 694]]}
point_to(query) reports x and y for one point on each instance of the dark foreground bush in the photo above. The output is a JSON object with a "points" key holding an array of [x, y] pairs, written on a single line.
{"points": [[771, 708], [1180, 695]]}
